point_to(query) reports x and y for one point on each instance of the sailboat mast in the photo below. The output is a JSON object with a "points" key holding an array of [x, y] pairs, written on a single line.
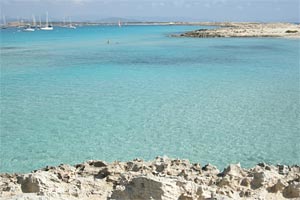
{"points": [[4, 20], [47, 19], [47, 27], [33, 21], [40, 21]]}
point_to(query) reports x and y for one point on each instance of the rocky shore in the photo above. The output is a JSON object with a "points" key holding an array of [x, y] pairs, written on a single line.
{"points": [[162, 178], [247, 30]]}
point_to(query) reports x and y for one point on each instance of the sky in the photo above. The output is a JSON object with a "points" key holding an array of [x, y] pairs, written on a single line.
{"points": [[156, 10]]}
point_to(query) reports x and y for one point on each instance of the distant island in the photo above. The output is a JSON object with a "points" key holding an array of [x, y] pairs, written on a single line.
{"points": [[13, 24], [245, 29]]}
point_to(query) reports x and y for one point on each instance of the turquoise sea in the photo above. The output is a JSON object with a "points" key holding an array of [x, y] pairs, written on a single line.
{"points": [[67, 96]]}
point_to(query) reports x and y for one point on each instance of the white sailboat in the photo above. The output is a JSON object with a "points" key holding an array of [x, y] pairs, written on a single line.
{"points": [[33, 21], [47, 27], [4, 25], [28, 29], [70, 25], [19, 23], [40, 23], [31, 28], [119, 23], [64, 22]]}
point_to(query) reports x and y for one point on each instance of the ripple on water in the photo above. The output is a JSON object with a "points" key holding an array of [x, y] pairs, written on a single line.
{"points": [[207, 100]]}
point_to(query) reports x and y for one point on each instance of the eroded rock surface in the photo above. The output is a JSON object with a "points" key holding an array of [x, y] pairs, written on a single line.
{"points": [[162, 178], [244, 29]]}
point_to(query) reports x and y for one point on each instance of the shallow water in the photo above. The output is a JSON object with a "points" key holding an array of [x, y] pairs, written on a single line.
{"points": [[67, 96]]}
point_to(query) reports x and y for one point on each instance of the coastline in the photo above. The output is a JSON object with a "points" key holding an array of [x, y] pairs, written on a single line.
{"points": [[245, 29], [162, 178], [224, 29]]}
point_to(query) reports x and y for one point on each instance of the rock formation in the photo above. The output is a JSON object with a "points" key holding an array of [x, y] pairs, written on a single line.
{"points": [[162, 178], [247, 30]]}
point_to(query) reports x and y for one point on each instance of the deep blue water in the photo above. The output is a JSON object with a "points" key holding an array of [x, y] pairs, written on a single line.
{"points": [[67, 96]]}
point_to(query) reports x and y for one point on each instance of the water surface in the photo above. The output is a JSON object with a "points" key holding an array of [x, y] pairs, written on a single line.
{"points": [[67, 96]]}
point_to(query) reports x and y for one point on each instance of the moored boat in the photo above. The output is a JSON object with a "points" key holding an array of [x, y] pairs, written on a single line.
{"points": [[29, 29], [48, 27]]}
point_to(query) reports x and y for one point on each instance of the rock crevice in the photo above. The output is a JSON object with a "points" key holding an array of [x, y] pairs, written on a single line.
{"points": [[162, 178]]}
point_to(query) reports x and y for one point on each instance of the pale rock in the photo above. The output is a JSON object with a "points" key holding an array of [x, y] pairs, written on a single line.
{"points": [[37, 182], [172, 179], [234, 170], [210, 169], [247, 30], [197, 167], [147, 188]]}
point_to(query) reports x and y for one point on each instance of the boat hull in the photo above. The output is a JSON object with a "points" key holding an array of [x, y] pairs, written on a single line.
{"points": [[47, 28], [29, 30]]}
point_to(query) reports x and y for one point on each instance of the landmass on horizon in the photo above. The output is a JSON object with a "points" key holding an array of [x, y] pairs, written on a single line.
{"points": [[247, 29], [224, 29]]}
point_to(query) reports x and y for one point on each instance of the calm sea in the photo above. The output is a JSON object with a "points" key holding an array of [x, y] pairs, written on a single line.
{"points": [[68, 96]]}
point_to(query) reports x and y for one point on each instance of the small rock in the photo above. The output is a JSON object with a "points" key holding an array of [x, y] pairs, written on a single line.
{"points": [[278, 187], [185, 197], [134, 166], [36, 182], [145, 187], [224, 182], [233, 170], [262, 164], [103, 173], [258, 180], [248, 193], [197, 167], [64, 177], [98, 163], [268, 168], [283, 169], [245, 182], [160, 168], [211, 169], [292, 190]]}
